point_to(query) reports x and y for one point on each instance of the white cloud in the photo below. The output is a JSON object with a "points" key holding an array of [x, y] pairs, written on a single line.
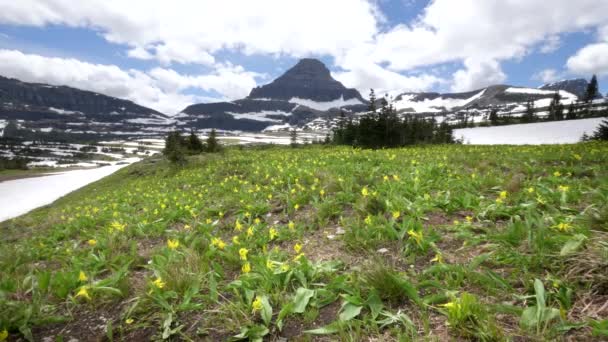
{"points": [[547, 75], [384, 81], [551, 44], [190, 31], [477, 74], [159, 89], [592, 59]]}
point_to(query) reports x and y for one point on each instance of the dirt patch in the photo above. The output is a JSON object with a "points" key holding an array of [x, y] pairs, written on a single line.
{"points": [[87, 324], [295, 327]]}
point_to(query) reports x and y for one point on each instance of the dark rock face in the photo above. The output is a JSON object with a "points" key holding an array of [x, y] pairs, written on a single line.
{"points": [[577, 86], [67, 110], [45, 96], [309, 79]]}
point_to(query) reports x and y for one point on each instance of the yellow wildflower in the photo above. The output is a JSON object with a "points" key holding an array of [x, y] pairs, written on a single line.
{"points": [[238, 226], [92, 242], [503, 194], [385, 178], [285, 267], [498, 201], [563, 226], [159, 283], [117, 226], [243, 253], [563, 188], [291, 225], [368, 220], [3, 335], [235, 240], [364, 191], [438, 258], [187, 227], [250, 231], [129, 321], [172, 244], [396, 214], [83, 292], [395, 177], [219, 243], [296, 206], [273, 233], [297, 247], [577, 156], [417, 236], [531, 190], [257, 304], [322, 192], [257, 220], [456, 222], [82, 276], [246, 267], [469, 219], [269, 264]]}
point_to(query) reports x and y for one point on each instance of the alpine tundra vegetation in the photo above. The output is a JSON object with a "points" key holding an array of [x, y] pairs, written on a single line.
{"points": [[437, 242]]}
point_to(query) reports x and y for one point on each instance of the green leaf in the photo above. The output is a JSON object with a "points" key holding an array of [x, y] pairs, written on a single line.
{"points": [[286, 310], [350, 311], [539, 290], [301, 299], [213, 287], [375, 304], [266, 311], [326, 330], [573, 244]]}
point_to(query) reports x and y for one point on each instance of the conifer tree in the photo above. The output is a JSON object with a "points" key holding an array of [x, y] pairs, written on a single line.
{"points": [[493, 116], [293, 137], [213, 144], [592, 90], [601, 133], [195, 145]]}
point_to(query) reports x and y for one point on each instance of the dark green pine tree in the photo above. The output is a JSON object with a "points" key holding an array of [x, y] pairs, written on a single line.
{"points": [[592, 90], [372, 101], [601, 133], [175, 150], [213, 144], [293, 137], [554, 106], [195, 145], [493, 117], [529, 115], [571, 114]]}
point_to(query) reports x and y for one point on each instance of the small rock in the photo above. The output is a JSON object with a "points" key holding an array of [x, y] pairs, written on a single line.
{"points": [[331, 236], [382, 250], [340, 231]]}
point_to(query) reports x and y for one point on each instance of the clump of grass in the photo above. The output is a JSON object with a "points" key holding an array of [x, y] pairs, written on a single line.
{"points": [[390, 285]]}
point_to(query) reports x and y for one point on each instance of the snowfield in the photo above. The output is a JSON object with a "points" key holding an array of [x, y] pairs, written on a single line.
{"points": [[340, 102], [19, 196], [554, 132], [435, 105]]}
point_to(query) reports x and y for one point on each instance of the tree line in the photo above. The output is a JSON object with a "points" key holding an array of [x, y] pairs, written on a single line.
{"points": [[382, 127], [177, 146]]}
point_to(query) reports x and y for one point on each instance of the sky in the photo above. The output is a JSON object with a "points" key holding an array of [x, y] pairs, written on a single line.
{"points": [[168, 54]]}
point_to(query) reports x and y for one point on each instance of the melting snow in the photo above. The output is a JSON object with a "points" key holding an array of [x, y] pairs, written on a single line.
{"points": [[434, 105], [19, 196], [340, 102], [554, 132]]}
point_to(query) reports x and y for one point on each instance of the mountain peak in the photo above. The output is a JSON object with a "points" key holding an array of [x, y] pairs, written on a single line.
{"points": [[308, 79]]}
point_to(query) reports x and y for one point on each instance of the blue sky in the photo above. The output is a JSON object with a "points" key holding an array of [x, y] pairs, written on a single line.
{"points": [[167, 56]]}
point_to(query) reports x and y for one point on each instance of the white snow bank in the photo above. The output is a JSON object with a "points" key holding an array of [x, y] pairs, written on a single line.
{"points": [[340, 102], [19, 196], [259, 116], [554, 132]]}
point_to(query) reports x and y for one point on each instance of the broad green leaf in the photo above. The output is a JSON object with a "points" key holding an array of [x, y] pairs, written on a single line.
{"points": [[301, 299], [326, 330], [573, 244], [350, 311], [374, 303], [266, 311]]}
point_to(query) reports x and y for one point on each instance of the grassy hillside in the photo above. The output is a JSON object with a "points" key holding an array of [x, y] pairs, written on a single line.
{"points": [[427, 243]]}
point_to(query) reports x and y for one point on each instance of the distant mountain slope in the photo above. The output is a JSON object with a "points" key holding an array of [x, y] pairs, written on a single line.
{"points": [[64, 109], [576, 86], [303, 93]]}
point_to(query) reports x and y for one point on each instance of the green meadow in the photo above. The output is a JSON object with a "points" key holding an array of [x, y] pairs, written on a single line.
{"points": [[320, 243]]}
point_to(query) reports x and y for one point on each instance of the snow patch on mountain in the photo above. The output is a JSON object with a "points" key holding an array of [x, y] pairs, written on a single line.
{"points": [[435, 105], [259, 116], [323, 106]]}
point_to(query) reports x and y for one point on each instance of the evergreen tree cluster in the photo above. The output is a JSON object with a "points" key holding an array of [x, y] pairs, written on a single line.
{"points": [[601, 133], [383, 128], [177, 147]]}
